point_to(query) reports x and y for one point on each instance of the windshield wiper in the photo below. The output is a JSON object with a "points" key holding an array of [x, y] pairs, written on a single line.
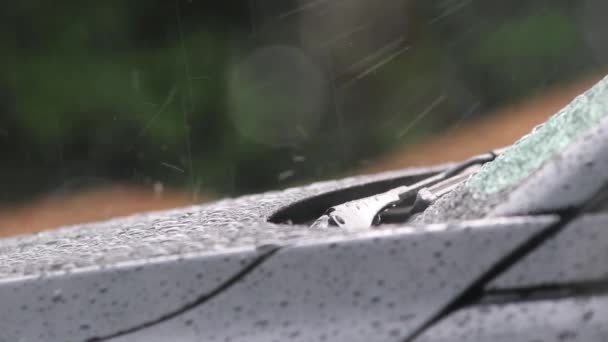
{"points": [[401, 203]]}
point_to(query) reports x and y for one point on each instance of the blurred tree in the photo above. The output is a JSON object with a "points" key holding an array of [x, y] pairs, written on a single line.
{"points": [[139, 91]]}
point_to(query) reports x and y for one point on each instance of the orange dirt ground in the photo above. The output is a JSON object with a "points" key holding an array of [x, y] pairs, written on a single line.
{"points": [[496, 130], [87, 206], [499, 129]]}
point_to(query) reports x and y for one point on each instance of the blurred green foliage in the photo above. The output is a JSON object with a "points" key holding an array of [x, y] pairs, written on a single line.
{"points": [[136, 91], [528, 47]]}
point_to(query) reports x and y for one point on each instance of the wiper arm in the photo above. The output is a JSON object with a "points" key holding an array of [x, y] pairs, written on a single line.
{"points": [[368, 211]]}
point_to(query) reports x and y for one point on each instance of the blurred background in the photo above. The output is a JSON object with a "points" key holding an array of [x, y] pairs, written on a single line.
{"points": [[114, 107]]}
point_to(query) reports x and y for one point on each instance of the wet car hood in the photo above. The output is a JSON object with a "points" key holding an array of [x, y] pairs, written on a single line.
{"points": [[222, 271]]}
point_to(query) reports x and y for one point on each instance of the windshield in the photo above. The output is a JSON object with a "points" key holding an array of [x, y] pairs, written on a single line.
{"points": [[177, 102]]}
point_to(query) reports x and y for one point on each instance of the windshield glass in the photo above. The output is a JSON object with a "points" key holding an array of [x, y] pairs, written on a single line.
{"points": [[176, 102]]}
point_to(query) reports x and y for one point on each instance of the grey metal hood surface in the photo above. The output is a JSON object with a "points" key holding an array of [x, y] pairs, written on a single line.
{"points": [[221, 271]]}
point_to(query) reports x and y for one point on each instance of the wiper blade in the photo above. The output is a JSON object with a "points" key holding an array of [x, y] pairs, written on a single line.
{"points": [[368, 211]]}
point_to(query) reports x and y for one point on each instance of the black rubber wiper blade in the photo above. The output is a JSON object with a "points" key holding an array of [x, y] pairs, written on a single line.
{"points": [[366, 212]]}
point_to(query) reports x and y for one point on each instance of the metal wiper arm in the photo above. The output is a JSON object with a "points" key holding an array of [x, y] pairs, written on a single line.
{"points": [[365, 212]]}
